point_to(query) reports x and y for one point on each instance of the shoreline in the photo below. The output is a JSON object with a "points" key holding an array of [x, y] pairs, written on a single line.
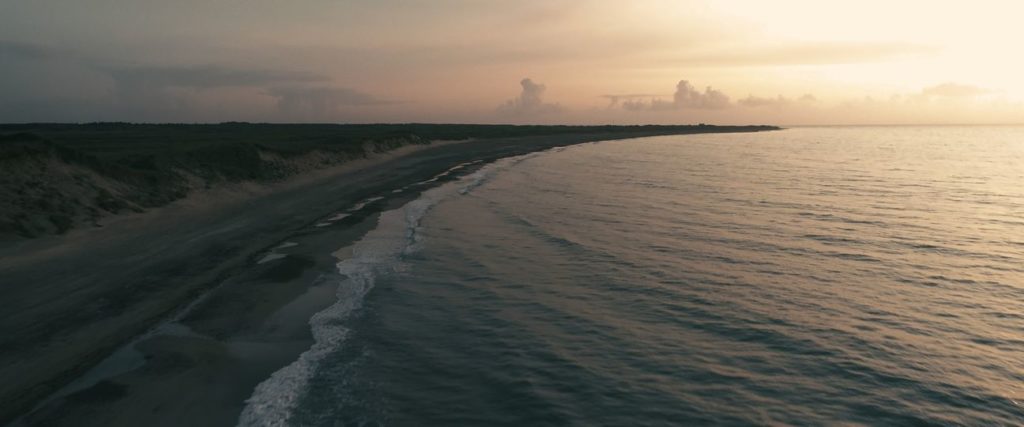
{"points": [[251, 321]]}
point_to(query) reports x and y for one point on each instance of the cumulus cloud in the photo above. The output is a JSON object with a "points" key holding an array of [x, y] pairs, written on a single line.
{"points": [[685, 97], [688, 97], [529, 101]]}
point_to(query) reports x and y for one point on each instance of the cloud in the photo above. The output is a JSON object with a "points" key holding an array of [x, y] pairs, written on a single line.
{"points": [[319, 102], [154, 92], [529, 101], [204, 77], [776, 102], [79, 87], [613, 100], [688, 97], [755, 101], [685, 97], [953, 90], [193, 76], [25, 51], [157, 77], [945, 93]]}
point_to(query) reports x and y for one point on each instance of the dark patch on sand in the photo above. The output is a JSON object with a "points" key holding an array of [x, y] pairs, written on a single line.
{"points": [[287, 268], [103, 391]]}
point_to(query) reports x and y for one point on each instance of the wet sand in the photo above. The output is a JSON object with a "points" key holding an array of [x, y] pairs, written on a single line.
{"points": [[73, 301], [199, 369]]}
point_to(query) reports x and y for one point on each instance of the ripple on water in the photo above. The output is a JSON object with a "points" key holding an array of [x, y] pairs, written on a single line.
{"points": [[809, 276]]}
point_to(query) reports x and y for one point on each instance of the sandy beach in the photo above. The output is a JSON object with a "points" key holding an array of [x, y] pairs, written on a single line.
{"points": [[78, 298], [505, 214]]}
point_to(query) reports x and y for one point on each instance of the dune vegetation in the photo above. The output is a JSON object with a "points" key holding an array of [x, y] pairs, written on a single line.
{"points": [[60, 176]]}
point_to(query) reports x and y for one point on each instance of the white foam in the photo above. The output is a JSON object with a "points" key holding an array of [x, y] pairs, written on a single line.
{"points": [[363, 203], [378, 252], [270, 257], [286, 245], [483, 175], [339, 217], [445, 173]]}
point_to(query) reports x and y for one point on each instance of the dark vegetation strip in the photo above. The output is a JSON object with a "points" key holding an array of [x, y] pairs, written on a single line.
{"points": [[56, 177]]}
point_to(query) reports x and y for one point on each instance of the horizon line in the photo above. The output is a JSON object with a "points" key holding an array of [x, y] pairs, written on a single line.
{"points": [[240, 122]]}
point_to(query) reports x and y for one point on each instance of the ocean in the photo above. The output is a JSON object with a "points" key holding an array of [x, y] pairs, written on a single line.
{"points": [[833, 275]]}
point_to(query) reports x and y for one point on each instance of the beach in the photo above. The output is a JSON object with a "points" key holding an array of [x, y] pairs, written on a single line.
{"points": [[509, 214], [185, 285]]}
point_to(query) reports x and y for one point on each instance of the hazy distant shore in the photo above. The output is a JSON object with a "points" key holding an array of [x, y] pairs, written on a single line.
{"points": [[73, 299]]}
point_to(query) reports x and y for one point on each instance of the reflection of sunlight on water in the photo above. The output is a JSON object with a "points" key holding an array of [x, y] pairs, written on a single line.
{"points": [[808, 276], [870, 265]]}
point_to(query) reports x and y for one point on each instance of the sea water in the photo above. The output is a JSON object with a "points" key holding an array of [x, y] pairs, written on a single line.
{"points": [[864, 275]]}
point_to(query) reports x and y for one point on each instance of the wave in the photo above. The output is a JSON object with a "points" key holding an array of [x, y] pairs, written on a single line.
{"points": [[378, 253], [447, 172]]}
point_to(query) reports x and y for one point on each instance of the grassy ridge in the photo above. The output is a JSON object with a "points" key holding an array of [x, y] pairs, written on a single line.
{"points": [[60, 176]]}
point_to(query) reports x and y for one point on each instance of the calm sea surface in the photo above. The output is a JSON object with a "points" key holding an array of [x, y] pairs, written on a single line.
{"points": [[807, 276]]}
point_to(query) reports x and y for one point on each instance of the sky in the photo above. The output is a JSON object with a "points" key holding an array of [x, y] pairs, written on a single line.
{"points": [[787, 62]]}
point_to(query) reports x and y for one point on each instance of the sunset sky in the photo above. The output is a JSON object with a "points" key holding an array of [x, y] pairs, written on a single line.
{"points": [[580, 62]]}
